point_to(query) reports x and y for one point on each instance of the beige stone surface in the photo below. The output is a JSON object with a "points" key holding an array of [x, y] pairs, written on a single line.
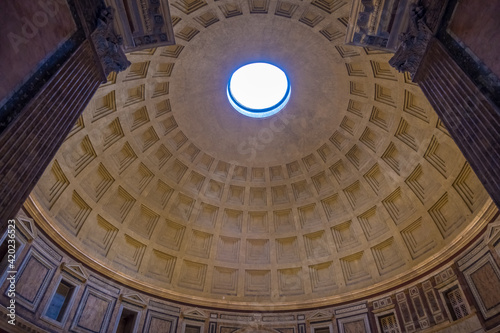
{"points": [[353, 188]]}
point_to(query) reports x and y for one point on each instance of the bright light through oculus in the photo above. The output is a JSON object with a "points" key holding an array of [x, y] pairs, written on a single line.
{"points": [[258, 90]]}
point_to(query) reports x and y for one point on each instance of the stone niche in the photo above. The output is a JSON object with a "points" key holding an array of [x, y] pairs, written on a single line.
{"points": [[142, 24], [377, 23]]}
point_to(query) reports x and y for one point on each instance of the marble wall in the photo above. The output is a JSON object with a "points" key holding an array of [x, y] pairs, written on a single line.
{"points": [[463, 295]]}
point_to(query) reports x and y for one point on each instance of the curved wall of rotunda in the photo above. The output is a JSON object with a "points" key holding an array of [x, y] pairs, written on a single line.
{"points": [[461, 295]]}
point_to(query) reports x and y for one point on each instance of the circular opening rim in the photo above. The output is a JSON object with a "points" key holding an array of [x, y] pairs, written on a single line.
{"points": [[262, 112]]}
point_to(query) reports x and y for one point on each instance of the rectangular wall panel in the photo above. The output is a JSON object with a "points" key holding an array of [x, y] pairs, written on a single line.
{"points": [[94, 312], [33, 277], [483, 278], [157, 322]]}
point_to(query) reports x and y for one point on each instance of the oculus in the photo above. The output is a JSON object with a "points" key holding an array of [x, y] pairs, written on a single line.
{"points": [[258, 90]]}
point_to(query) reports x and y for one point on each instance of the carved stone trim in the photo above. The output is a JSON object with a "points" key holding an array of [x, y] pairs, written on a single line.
{"points": [[75, 270], [26, 226], [413, 43], [194, 313], [108, 44], [134, 299]]}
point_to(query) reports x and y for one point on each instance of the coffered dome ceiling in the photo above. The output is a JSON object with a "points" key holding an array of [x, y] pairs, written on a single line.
{"points": [[353, 188]]}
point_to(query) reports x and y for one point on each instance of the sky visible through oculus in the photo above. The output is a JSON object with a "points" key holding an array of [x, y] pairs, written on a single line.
{"points": [[258, 86]]}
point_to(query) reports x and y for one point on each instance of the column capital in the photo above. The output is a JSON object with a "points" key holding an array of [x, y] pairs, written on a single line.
{"points": [[108, 44]]}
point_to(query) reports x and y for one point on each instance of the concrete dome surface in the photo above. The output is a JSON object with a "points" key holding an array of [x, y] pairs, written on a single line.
{"points": [[353, 188]]}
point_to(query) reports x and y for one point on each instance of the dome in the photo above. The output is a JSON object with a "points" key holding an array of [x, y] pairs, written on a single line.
{"points": [[353, 188]]}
